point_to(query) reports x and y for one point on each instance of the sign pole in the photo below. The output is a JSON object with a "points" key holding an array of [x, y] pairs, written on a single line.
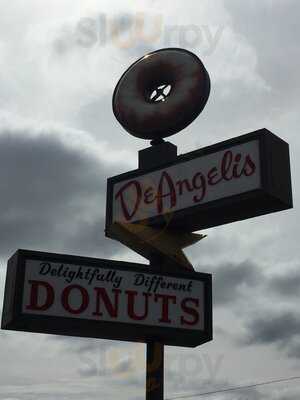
{"points": [[155, 352], [155, 371]]}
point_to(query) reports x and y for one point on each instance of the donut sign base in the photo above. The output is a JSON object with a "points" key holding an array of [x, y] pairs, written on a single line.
{"points": [[230, 181]]}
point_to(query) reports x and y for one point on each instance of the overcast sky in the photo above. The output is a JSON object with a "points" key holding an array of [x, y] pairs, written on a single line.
{"points": [[59, 141]]}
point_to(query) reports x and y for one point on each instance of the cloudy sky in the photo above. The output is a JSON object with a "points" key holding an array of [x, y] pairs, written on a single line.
{"points": [[59, 141]]}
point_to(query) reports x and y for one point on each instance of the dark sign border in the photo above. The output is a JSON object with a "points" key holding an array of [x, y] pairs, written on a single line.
{"points": [[14, 319], [275, 193]]}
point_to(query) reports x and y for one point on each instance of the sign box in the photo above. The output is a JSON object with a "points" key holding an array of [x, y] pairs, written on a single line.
{"points": [[87, 297], [233, 180]]}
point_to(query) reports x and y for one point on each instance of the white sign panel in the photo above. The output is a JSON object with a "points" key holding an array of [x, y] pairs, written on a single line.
{"points": [[105, 294], [222, 174]]}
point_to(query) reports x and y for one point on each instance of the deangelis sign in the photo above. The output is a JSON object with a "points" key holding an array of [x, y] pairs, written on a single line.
{"points": [[186, 184], [232, 180]]}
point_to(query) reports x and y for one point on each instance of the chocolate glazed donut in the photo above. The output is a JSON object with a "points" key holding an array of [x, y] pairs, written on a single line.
{"points": [[161, 94]]}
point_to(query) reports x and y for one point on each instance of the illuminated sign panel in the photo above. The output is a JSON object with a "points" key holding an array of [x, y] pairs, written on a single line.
{"points": [[233, 180], [198, 181], [100, 298]]}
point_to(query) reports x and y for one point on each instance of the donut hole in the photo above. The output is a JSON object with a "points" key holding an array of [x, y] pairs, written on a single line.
{"points": [[160, 93]]}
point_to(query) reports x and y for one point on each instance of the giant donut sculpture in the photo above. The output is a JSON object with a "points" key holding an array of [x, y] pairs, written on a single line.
{"points": [[161, 94]]}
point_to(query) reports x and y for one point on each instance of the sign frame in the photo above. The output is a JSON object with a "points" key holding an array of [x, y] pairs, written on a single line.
{"points": [[274, 194], [14, 319]]}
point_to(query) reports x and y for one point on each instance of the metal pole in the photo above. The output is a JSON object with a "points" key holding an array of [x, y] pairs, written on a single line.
{"points": [[155, 371], [155, 353], [149, 158]]}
